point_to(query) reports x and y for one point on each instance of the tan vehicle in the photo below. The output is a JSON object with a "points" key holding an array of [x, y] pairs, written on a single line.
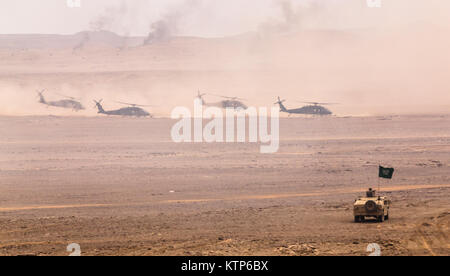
{"points": [[371, 206]]}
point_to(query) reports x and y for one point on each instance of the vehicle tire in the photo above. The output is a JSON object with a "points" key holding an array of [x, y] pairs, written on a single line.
{"points": [[386, 217], [381, 218], [357, 219], [370, 206]]}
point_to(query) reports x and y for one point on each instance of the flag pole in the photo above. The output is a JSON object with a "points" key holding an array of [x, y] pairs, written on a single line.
{"points": [[379, 191], [378, 180]]}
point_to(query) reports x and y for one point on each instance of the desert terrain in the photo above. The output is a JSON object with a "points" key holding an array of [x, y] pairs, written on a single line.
{"points": [[120, 186]]}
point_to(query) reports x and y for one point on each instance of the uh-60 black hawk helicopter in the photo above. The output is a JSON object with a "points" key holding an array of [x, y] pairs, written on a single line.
{"points": [[313, 108], [133, 110], [229, 102], [69, 102]]}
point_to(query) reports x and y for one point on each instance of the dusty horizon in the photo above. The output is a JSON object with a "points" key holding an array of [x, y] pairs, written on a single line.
{"points": [[188, 17], [363, 95], [372, 61]]}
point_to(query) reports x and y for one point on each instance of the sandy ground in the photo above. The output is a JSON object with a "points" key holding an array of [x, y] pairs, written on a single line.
{"points": [[119, 186]]}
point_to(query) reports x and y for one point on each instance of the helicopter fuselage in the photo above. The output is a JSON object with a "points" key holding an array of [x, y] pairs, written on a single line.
{"points": [[306, 110], [70, 104], [310, 110], [126, 111], [232, 104]]}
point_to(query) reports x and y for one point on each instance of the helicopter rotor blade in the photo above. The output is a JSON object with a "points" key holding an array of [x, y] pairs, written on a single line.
{"points": [[96, 103], [280, 101], [200, 94], [227, 97], [135, 105], [68, 97], [317, 103]]}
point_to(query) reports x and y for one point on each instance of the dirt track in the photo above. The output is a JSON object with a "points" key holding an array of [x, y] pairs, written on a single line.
{"points": [[238, 198], [121, 187]]}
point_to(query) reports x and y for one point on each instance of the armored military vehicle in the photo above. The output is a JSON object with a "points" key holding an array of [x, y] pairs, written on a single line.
{"points": [[371, 206]]}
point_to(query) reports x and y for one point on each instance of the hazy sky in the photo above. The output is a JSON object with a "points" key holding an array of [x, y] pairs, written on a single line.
{"points": [[210, 17]]}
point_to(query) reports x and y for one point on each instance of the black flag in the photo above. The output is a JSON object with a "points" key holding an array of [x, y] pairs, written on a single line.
{"points": [[386, 172]]}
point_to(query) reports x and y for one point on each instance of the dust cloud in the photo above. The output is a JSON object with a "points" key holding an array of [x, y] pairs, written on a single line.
{"points": [[384, 61], [167, 26]]}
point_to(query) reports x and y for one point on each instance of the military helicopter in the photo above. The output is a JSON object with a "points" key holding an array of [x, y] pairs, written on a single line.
{"points": [[313, 108], [69, 103], [229, 102], [133, 110]]}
